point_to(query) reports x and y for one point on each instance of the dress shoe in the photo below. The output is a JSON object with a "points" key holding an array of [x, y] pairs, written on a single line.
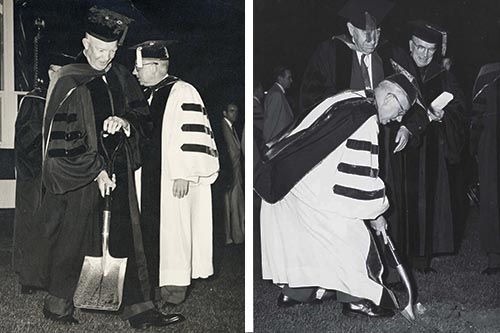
{"points": [[491, 271], [68, 319], [365, 308], [154, 318], [286, 302]]}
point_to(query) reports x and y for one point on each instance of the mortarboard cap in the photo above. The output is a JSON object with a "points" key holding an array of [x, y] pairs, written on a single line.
{"points": [[429, 33], [406, 83], [156, 49], [365, 13], [107, 25]]}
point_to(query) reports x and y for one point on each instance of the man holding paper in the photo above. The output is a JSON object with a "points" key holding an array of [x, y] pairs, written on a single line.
{"points": [[433, 167]]}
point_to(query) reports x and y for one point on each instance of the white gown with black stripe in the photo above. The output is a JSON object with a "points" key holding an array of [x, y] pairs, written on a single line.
{"points": [[186, 224], [315, 236]]}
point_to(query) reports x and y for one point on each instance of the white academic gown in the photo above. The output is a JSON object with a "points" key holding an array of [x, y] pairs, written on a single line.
{"points": [[186, 224], [315, 237]]}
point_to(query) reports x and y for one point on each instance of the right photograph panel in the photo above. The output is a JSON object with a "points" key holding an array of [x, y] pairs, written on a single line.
{"points": [[375, 166]]}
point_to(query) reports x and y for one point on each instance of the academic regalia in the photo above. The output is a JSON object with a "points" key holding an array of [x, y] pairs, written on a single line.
{"points": [[29, 259], [432, 168], [320, 181], [78, 102], [180, 145], [334, 67], [485, 141]]}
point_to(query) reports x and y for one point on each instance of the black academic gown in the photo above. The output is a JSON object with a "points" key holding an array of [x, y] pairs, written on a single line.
{"points": [[73, 160], [485, 142], [28, 259], [335, 67], [433, 172]]}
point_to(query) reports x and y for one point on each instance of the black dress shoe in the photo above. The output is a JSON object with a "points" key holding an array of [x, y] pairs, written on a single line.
{"points": [[286, 302], [154, 318], [68, 319], [491, 271], [365, 308]]}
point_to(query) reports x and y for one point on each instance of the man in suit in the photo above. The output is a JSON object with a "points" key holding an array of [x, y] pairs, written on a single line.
{"points": [[234, 200], [277, 111]]}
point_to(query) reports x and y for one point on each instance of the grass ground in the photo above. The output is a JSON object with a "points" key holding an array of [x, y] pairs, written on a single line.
{"points": [[458, 299], [213, 305]]}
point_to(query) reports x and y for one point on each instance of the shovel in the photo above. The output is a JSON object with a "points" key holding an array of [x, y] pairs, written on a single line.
{"points": [[407, 312], [100, 286]]}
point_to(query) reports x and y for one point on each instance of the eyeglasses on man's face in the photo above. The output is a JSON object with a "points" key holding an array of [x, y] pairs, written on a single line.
{"points": [[422, 49], [145, 64], [402, 110]]}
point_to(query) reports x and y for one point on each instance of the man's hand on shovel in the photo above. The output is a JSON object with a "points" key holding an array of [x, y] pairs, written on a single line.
{"points": [[106, 184], [380, 226]]}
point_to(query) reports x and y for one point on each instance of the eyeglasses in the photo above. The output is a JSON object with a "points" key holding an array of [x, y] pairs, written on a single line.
{"points": [[402, 110], [423, 49], [143, 65]]}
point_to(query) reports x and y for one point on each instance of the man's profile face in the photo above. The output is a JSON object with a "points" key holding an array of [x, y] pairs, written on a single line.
{"points": [[366, 42], [99, 54], [231, 113], [147, 73], [394, 105], [421, 51], [286, 80]]}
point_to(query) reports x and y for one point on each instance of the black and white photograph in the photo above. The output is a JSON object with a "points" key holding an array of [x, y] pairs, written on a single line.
{"points": [[375, 201], [122, 165]]}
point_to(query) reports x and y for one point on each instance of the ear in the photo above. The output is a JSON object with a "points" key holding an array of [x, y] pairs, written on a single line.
{"points": [[85, 43], [410, 45], [350, 27]]}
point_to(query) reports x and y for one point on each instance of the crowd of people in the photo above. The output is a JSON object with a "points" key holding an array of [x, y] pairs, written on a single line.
{"points": [[376, 146], [159, 179]]}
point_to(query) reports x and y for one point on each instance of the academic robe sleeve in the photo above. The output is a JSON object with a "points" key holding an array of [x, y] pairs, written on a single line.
{"points": [[188, 146], [71, 159], [453, 122], [358, 192]]}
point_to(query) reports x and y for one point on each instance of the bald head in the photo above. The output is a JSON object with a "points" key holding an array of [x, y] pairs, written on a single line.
{"points": [[392, 102]]}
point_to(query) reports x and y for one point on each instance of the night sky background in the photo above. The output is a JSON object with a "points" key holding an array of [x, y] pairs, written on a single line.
{"points": [[209, 52], [287, 32]]}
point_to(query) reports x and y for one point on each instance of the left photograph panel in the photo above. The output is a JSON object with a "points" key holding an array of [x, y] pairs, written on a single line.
{"points": [[122, 165]]}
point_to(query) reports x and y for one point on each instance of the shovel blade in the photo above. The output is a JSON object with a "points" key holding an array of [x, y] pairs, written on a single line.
{"points": [[100, 286]]}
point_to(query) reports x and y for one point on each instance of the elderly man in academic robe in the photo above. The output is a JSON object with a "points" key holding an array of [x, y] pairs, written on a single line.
{"points": [[180, 162], [432, 168], [84, 100], [320, 181], [360, 60]]}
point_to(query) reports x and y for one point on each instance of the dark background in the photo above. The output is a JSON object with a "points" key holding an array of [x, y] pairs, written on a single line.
{"points": [[287, 32], [209, 52]]}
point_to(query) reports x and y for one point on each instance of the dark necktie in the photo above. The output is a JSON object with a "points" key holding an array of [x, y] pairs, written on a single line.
{"points": [[364, 73]]}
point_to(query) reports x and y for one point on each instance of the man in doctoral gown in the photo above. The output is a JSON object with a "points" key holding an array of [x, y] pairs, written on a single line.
{"points": [[433, 168], [83, 100], [319, 183], [180, 162]]}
